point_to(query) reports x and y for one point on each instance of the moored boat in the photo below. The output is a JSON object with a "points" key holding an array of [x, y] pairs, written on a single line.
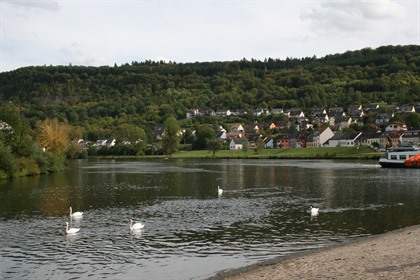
{"points": [[397, 156], [413, 161]]}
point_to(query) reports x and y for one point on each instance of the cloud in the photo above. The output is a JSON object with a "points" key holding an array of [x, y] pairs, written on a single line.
{"points": [[353, 16], [75, 54], [50, 5]]}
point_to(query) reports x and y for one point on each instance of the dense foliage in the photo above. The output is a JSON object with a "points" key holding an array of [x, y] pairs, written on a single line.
{"points": [[146, 92], [129, 101], [20, 155]]}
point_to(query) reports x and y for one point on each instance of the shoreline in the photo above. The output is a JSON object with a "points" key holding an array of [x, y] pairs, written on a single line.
{"points": [[391, 255]]}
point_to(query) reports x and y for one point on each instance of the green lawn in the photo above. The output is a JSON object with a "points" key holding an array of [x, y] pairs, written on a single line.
{"points": [[321, 153]]}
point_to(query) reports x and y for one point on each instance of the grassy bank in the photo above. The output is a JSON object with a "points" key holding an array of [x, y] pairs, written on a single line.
{"points": [[310, 153]]}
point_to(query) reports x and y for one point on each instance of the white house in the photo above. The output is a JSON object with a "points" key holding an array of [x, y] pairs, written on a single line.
{"points": [[322, 136], [346, 139], [396, 126], [236, 144]]}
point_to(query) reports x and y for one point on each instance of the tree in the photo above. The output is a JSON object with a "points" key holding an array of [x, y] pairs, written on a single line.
{"points": [[16, 130], [7, 164], [245, 146], [171, 137], [214, 145], [53, 135], [259, 146], [412, 120], [204, 134]]}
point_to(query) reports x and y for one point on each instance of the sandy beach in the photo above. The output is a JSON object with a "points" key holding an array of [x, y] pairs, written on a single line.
{"points": [[393, 255]]}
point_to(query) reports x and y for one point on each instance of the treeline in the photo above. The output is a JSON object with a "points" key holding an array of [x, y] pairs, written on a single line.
{"points": [[25, 151], [143, 94]]}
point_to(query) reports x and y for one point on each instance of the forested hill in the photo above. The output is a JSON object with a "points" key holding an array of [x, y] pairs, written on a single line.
{"points": [[144, 92]]}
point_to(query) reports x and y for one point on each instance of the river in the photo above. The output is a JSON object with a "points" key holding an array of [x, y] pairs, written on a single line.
{"points": [[191, 232]]}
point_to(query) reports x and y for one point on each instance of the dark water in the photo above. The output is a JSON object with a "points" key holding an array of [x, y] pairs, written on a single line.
{"points": [[190, 232]]}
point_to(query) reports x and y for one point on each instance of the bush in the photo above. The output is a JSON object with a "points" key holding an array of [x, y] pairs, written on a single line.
{"points": [[7, 162], [26, 167]]}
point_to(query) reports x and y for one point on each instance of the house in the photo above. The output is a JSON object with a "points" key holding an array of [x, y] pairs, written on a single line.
{"points": [[336, 111], [317, 111], [192, 113], [301, 139], [238, 112], [234, 134], [284, 142], [252, 141], [343, 121], [395, 138], [206, 112], [310, 141], [268, 143], [293, 139], [321, 136], [320, 119], [297, 139], [372, 108], [411, 137], [236, 127], [356, 111], [221, 135], [236, 144], [303, 123], [294, 113], [158, 132], [105, 143], [280, 125], [277, 111], [369, 138], [223, 113], [396, 126], [5, 127], [406, 109], [82, 143], [393, 108], [383, 118], [346, 139], [251, 129], [261, 111]]}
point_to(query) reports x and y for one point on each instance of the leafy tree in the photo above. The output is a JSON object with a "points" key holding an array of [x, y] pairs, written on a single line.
{"points": [[245, 146], [53, 135], [16, 132], [214, 145], [412, 120], [259, 146], [204, 134], [171, 136], [7, 164]]}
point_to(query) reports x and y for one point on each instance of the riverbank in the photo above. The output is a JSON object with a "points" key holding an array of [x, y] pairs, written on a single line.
{"points": [[293, 153], [357, 153], [393, 255]]}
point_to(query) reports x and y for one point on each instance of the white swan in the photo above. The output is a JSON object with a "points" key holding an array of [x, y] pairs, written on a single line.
{"points": [[219, 190], [314, 211], [71, 230], [75, 214], [136, 226]]}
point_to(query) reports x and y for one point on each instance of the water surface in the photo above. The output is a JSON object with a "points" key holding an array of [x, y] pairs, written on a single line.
{"points": [[191, 232]]}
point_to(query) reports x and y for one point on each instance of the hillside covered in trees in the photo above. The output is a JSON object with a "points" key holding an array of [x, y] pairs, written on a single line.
{"points": [[105, 102], [144, 92]]}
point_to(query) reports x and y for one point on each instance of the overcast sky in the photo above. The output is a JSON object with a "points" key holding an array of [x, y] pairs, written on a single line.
{"points": [[101, 32]]}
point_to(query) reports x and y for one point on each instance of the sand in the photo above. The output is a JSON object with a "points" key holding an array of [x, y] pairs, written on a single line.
{"points": [[393, 255]]}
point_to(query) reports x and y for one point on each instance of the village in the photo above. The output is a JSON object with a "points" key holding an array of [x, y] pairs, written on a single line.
{"points": [[317, 128]]}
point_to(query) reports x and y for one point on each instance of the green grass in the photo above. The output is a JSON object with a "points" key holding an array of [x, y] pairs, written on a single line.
{"points": [[304, 153]]}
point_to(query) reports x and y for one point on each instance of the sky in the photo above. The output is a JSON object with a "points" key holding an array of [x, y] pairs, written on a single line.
{"points": [[105, 32]]}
